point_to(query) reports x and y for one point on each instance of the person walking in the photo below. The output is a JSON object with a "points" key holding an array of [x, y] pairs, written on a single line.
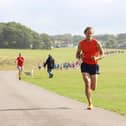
{"points": [[50, 62], [89, 51], [20, 63]]}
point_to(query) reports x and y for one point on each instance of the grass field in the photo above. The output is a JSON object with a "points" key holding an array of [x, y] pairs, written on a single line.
{"points": [[111, 89], [33, 57]]}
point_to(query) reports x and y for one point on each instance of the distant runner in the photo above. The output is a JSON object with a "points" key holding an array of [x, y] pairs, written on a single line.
{"points": [[90, 51], [20, 63], [50, 62]]}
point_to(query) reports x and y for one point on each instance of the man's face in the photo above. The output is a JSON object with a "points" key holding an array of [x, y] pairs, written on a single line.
{"points": [[89, 33]]}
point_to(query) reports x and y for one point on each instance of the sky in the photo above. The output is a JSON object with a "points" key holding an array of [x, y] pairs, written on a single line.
{"points": [[66, 16]]}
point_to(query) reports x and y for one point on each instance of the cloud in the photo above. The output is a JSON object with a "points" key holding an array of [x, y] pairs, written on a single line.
{"points": [[6, 2], [89, 1], [86, 3], [60, 16]]}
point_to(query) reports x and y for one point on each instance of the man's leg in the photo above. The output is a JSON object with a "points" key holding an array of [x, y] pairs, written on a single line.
{"points": [[20, 72], [49, 73], [93, 82], [87, 81]]}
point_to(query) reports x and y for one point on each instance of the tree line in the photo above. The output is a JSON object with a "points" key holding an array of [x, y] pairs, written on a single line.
{"points": [[15, 35], [18, 36]]}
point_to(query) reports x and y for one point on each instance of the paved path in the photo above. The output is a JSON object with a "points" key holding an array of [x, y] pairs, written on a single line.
{"points": [[23, 104]]}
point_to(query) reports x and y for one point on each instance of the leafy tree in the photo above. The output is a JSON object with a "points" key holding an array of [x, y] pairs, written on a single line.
{"points": [[45, 41]]}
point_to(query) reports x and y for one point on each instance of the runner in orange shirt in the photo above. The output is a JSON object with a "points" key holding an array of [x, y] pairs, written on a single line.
{"points": [[90, 51], [20, 63]]}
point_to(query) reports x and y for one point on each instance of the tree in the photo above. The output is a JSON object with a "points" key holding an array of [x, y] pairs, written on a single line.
{"points": [[45, 41]]}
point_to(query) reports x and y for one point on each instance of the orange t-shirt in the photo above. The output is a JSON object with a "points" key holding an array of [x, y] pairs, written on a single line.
{"points": [[89, 49]]}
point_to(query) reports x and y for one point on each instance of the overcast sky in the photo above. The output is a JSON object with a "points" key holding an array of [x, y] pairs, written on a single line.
{"points": [[66, 16]]}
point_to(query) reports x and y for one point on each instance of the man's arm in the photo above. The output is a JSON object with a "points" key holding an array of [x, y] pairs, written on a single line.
{"points": [[101, 51], [78, 52], [16, 60], [45, 63]]}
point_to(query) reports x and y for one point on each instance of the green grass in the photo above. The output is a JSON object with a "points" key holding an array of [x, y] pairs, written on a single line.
{"points": [[33, 57], [111, 89], [111, 92], [62, 83]]}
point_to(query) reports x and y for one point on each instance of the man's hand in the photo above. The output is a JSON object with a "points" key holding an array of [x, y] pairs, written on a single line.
{"points": [[94, 58]]}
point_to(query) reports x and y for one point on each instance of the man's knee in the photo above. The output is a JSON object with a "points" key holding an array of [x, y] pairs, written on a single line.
{"points": [[93, 87]]}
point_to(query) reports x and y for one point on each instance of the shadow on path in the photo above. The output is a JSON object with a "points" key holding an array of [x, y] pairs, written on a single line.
{"points": [[48, 108]]}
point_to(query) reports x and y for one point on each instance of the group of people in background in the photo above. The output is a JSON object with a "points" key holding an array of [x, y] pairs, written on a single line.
{"points": [[67, 65], [62, 66], [89, 52]]}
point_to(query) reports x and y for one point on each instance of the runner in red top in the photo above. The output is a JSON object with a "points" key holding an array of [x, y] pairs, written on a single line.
{"points": [[90, 51], [20, 63]]}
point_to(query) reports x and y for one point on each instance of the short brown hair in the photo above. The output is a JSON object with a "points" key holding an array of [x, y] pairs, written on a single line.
{"points": [[87, 28]]}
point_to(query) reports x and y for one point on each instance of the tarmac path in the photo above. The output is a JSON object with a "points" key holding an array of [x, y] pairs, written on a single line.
{"points": [[24, 104]]}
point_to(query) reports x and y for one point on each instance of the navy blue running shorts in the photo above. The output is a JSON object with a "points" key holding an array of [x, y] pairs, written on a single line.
{"points": [[90, 68]]}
